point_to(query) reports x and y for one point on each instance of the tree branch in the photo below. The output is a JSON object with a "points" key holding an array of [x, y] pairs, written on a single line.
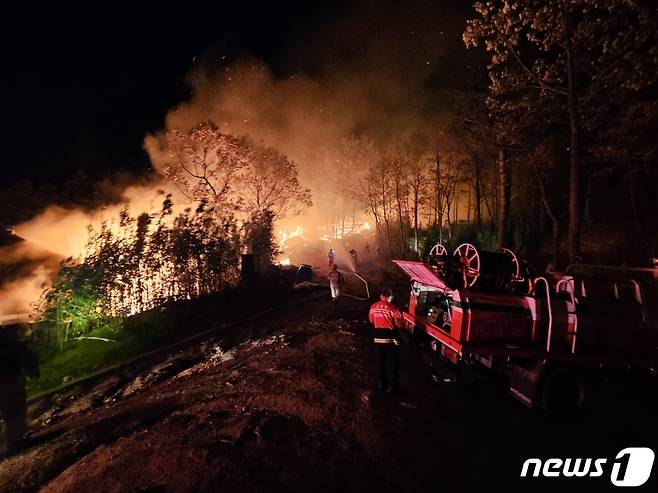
{"points": [[525, 68]]}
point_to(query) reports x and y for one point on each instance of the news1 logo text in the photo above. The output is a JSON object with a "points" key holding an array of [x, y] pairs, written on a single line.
{"points": [[630, 467]]}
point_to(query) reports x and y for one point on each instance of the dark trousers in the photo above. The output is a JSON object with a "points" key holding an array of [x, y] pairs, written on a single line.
{"points": [[389, 365]]}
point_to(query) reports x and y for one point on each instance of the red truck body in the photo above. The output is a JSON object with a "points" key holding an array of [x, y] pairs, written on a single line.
{"points": [[564, 322]]}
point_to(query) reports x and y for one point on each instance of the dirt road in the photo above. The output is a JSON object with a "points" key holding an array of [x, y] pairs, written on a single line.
{"points": [[291, 408], [288, 404]]}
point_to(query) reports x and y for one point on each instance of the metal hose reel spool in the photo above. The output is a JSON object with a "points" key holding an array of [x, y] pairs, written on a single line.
{"points": [[469, 267], [469, 258], [491, 271], [438, 251], [438, 257], [514, 260], [496, 271]]}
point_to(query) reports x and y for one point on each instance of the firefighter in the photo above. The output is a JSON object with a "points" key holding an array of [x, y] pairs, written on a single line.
{"points": [[332, 257], [336, 281], [16, 362], [386, 320], [354, 257], [464, 265]]}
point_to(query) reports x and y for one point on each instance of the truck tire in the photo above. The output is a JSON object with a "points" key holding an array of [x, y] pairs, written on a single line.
{"points": [[563, 390]]}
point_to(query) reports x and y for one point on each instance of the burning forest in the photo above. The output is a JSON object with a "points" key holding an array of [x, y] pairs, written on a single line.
{"points": [[314, 247]]}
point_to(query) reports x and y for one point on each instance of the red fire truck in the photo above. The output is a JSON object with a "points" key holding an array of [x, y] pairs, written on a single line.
{"points": [[553, 336]]}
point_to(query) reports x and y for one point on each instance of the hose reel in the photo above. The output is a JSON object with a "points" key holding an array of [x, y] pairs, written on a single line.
{"points": [[468, 267]]}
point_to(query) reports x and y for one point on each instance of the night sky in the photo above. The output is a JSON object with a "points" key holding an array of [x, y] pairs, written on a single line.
{"points": [[87, 81]]}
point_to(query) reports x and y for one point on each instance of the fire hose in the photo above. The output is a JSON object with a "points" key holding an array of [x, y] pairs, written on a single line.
{"points": [[367, 290]]}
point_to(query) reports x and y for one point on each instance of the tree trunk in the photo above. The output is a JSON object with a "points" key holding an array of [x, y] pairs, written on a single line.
{"points": [[398, 200], [342, 222], [588, 199], [353, 216], [555, 221], [448, 208], [574, 135], [439, 206], [490, 211], [386, 216], [555, 235], [478, 195], [504, 194], [388, 237], [416, 223], [555, 231], [634, 212], [373, 207]]}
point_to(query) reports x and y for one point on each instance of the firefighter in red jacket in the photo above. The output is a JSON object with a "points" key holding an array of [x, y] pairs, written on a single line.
{"points": [[386, 319]]}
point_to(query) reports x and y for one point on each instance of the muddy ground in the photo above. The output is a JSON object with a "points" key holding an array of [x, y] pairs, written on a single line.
{"points": [[288, 403]]}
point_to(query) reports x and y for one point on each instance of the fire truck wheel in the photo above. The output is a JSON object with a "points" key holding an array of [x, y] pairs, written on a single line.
{"points": [[564, 390]]}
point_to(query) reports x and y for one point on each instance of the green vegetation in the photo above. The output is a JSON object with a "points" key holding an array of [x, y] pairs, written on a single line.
{"points": [[101, 347], [108, 306], [139, 263]]}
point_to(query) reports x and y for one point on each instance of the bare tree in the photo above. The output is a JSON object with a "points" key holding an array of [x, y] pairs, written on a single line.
{"points": [[350, 176], [540, 175], [204, 163], [231, 174], [401, 194], [381, 195], [416, 158], [504, 194], [269, 183]]}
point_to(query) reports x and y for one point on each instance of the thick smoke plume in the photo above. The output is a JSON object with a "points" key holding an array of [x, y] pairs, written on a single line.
{"points": [[376, 71], [27, 267], [305, 119], [64, 231], [24, 272]]}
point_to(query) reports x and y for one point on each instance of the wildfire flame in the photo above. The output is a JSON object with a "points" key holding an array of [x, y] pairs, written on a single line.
{"points": [[284, 236]]}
